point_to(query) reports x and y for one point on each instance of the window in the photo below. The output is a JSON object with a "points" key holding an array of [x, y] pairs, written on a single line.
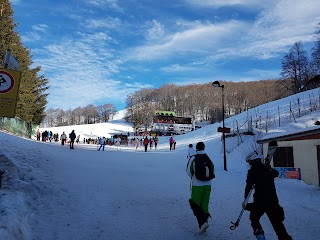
{"points": [[283, 157]]}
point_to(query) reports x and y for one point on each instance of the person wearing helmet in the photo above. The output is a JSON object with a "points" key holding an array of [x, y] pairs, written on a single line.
{"points": [[265, 199]]}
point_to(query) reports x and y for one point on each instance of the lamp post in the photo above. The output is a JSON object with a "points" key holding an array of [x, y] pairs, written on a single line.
{"points": [[217, 84]]}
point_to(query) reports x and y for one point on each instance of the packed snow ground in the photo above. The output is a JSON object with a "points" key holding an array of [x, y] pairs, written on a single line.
{"points": [[51, 192]]}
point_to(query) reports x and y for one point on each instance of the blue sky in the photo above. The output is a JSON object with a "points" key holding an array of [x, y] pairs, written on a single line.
{"points": [[99, 51]]}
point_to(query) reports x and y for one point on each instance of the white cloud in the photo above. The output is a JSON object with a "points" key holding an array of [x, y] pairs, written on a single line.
{"points": [[107, 23], [275, 30], [280, 26], [34, 36], [30, 37], [178, 68], [40, 27], [80, 70], [112, 4], [228, 3], [200, 39], [155, 31]]}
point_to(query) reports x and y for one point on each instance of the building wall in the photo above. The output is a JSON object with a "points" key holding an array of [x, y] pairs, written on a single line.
{"points": [[305, 158]]}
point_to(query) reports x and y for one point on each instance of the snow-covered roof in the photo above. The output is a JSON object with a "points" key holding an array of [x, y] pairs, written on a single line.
{"points": [[294, 134]]}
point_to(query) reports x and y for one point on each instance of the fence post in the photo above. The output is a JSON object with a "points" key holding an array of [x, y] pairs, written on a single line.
{"points": [[250, 124], [279, 114], [299, 110], [267, 121], [310, 103]]}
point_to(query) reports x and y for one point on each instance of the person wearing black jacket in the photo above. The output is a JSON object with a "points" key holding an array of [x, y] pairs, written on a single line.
{"points": [[265, 199], [72, 137]]}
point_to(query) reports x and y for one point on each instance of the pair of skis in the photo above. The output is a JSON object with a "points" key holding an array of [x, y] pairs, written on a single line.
{"points": [[272, 146]]}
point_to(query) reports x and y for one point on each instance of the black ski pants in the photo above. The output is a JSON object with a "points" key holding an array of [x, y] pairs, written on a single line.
{"points": [[275, 214], [71, 144], [201, 216]]}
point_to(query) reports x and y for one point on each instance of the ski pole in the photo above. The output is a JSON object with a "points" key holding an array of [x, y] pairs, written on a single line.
{"points": [[236, 224]]}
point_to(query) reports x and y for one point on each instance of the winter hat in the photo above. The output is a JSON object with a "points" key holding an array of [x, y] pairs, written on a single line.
{"points": [[200, 146], [190, 145], [254, 157]]}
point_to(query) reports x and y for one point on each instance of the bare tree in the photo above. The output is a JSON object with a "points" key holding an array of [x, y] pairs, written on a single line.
{"points": [[316, 53], [77, 113], [295, 66], [90, 112], [106, 111]]}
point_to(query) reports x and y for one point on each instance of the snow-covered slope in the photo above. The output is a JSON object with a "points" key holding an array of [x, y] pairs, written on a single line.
{"points": [[54, 193]]}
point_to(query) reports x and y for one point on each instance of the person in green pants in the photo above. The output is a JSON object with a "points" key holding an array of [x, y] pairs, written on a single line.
{"points": [[201, 170]]}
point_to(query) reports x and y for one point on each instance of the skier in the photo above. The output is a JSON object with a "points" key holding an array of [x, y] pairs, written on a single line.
{"points": [[201, 170], [191, 151], [171, 141], [102, 142], [63, 138], [145, 143], [137, 143], [156, 142], [72, 137], [151, 142], [265, 199]]}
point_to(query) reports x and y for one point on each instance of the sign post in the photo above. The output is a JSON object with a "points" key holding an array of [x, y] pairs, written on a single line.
{"points": [[9, 89]]}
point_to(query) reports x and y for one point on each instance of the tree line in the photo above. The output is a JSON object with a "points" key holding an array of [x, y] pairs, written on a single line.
{"points": [[202, 101], [32, 97], [86, 115]]}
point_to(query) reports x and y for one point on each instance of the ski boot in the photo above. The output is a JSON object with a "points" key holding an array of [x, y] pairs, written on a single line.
{"points": [[204, 227], [259, 234]]}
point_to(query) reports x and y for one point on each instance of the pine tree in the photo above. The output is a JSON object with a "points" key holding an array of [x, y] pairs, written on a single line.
{"points": [[32, 98]]}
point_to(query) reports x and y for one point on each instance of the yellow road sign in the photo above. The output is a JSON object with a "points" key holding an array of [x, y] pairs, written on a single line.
{"points": [[9, 89]]}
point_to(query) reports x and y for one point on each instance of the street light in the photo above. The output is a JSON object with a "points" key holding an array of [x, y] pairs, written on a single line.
{"points": [[217, 84]]}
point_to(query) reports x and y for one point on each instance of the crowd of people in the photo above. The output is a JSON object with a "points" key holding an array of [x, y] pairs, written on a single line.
{"points": [[150, 142]]}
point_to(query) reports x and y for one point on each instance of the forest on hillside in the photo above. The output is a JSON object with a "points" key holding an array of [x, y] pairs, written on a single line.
{"points": [[203, 101], [198, 101]]}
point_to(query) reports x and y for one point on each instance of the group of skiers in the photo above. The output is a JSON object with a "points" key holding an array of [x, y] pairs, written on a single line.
{"points": [[49, 136], [260, 177], [149, 142]]}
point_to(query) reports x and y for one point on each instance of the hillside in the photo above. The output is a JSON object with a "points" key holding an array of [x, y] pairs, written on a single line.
{"points": [[52, 192]]}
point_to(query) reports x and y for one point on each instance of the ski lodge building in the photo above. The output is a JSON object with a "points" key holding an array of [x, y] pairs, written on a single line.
{"points": [[297, 155], [168, 122]]}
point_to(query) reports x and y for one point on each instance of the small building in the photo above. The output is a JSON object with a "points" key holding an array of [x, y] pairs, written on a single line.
{"points": [[297, 155]]}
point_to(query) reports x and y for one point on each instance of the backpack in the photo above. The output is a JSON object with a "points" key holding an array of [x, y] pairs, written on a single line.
{"points": [[203, 167]]}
